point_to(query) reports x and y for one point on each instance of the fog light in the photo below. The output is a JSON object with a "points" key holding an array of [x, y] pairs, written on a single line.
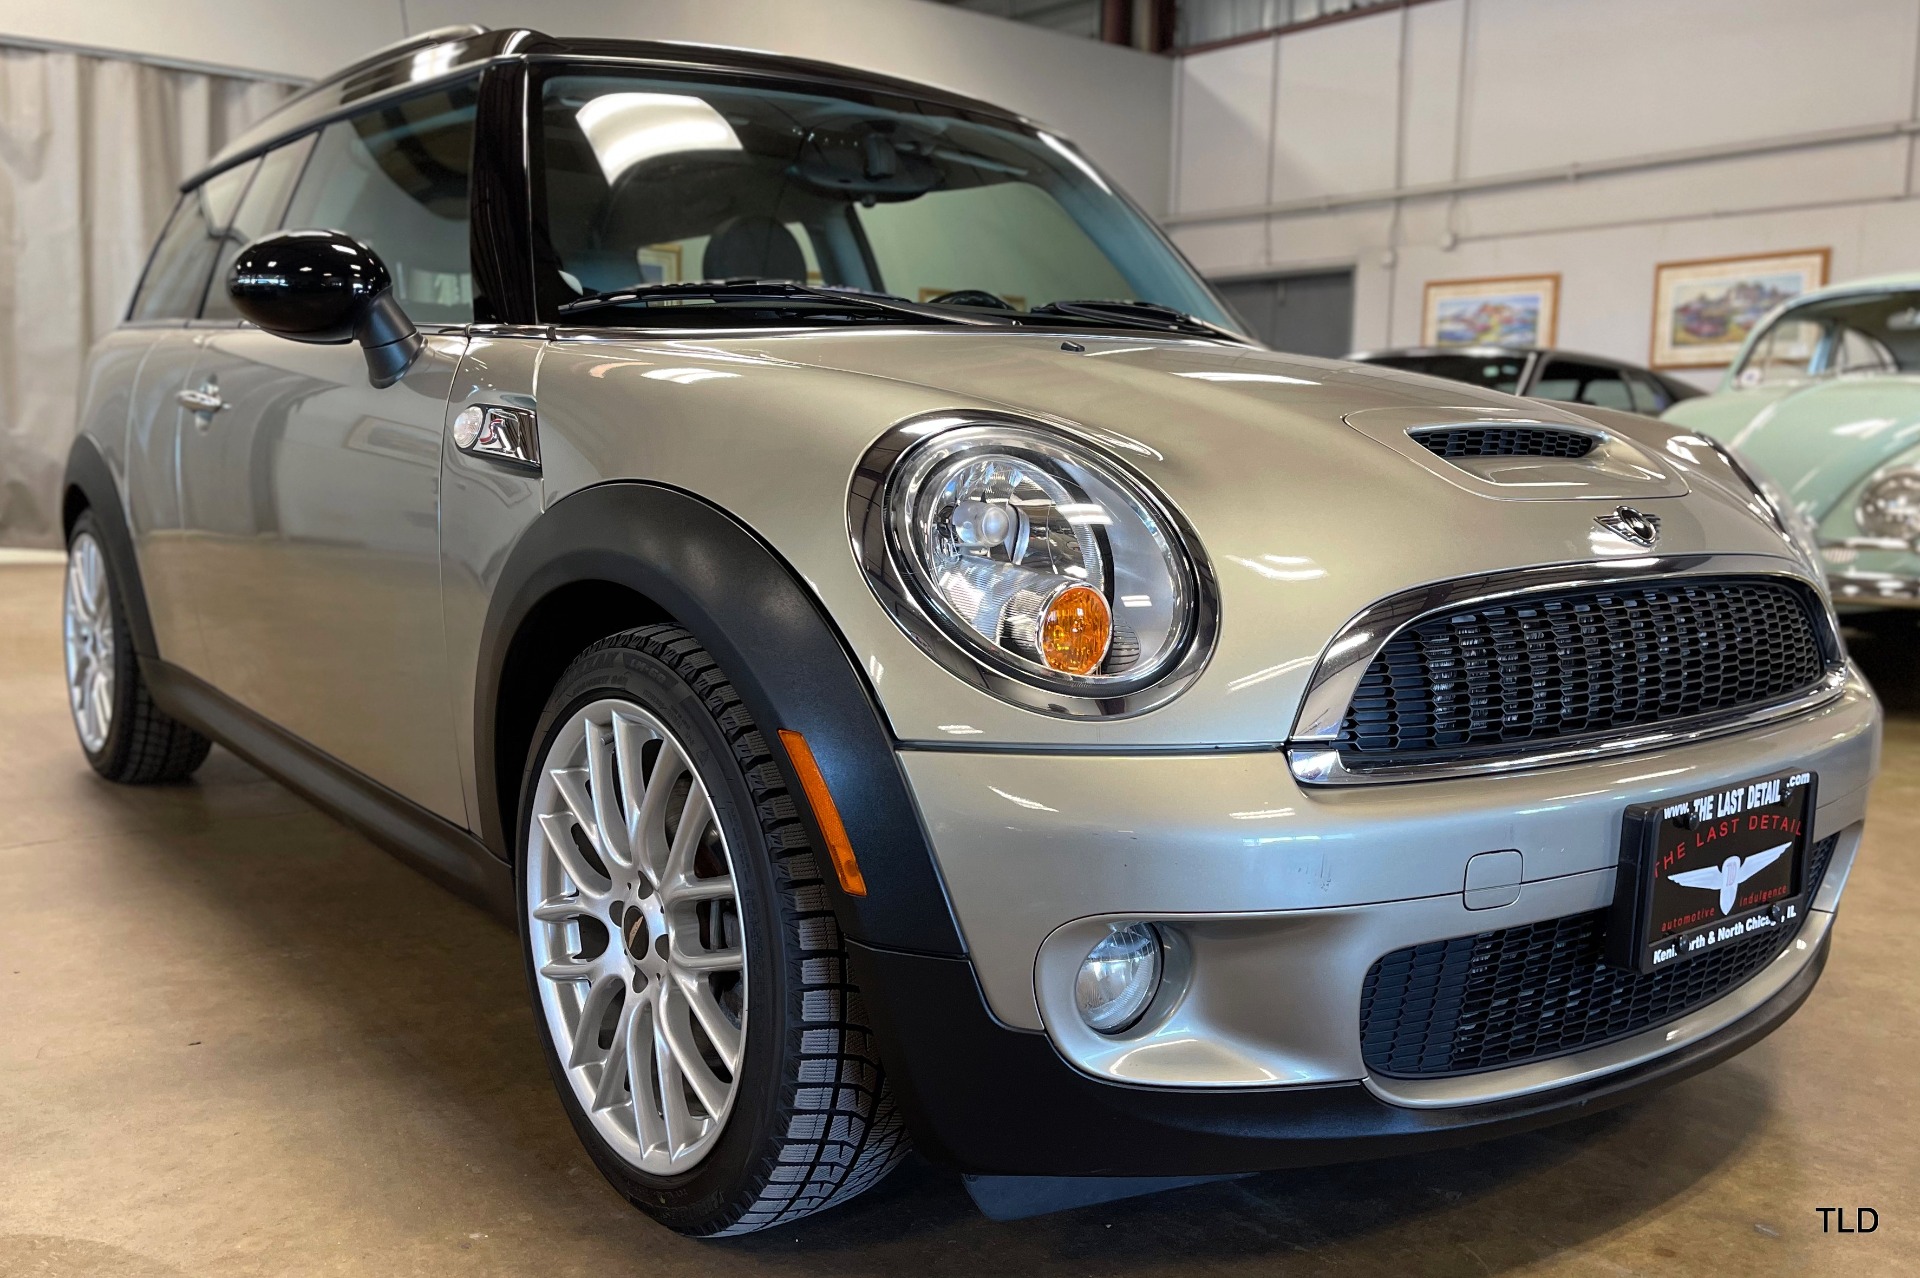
{"points": [[1118, 977]]}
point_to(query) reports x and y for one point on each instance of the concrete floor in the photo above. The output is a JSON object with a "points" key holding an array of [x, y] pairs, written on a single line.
{"points": [[237, 1039]]}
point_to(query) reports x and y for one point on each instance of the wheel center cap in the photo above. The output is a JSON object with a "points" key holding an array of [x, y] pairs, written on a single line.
{"points": [[644, 924]]}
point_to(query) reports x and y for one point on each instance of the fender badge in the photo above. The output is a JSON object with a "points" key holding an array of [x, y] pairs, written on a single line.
{"points": [[1631, 525]]}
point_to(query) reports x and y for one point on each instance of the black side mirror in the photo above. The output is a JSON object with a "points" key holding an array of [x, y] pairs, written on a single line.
{"points": [[325, 287]]}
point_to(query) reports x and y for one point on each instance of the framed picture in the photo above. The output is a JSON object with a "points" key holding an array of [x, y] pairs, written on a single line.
{"points": [[659, 264], [1509, 310], [1704, 309]]}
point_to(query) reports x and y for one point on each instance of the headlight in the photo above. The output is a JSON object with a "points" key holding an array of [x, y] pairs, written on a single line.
{"points": [[1890, 506], [1063, 580]]}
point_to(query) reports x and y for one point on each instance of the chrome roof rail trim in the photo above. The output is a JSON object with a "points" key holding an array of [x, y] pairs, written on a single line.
{"points": [[408, 44], [1345, 661]]}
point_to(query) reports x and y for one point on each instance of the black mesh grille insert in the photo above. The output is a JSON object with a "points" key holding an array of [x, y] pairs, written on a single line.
{"points": [[1580, 663], [1524, 993], [1504, 441]]}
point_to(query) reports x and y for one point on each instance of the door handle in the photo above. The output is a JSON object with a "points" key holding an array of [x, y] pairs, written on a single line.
{"points": [[203, 402]]}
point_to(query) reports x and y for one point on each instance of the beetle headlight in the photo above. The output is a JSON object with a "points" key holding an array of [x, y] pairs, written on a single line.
{"points": [[1045, 562], [1890, 505]]}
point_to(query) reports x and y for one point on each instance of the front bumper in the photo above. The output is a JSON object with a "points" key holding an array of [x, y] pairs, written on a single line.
{"points": [[1872, 572], [988, 1100], [1282, 897]]}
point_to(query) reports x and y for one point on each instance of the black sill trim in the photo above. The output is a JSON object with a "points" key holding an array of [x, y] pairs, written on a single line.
{"points": [[424, 840]]}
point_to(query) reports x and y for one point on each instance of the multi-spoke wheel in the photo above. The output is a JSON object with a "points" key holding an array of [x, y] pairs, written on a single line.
{"points": [[690, 980], [126, 737], [636, 935], [89, 636]]}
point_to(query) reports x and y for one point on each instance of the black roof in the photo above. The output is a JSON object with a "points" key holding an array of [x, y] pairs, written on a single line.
{"points": [[1478, 349], [1494, 350], [450, 52]]}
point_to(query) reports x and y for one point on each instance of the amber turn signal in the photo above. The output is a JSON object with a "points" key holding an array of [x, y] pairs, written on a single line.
{"points": [[1076, 630], [825, 814]]}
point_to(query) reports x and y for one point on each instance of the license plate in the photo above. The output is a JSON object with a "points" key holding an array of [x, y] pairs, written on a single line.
{"points": [[1704, 870]]}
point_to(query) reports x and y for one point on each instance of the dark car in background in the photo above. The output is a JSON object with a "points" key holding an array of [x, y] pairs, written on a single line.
{"points": [[1542, 373]]}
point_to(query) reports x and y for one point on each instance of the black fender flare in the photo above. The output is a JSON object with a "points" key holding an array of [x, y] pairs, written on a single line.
{"points": [[749, 610], [89, 475]]}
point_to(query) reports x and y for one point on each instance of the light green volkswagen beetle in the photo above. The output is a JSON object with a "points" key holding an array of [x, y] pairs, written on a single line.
{"points": [[1824, 399]]}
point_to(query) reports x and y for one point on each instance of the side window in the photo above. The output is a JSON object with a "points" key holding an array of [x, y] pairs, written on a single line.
{"points": [[258, 214], [1649, 396], [1857, 352], [1783, 354], [177, 273], [1578, 383], [396, 180]]}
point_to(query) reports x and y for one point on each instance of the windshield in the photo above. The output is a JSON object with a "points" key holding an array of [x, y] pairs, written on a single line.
{"points": [[1498, 372], [1872, 333], [652, 180]]}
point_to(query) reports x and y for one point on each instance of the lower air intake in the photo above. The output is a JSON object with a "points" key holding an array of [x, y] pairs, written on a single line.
{"points": [[1542, 989]]}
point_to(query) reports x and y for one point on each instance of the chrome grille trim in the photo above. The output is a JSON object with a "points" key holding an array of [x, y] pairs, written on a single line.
{"points": [[1344, 662]]}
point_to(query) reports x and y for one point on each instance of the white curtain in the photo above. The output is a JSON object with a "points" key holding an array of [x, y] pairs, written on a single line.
{"points": [[91, 154]]}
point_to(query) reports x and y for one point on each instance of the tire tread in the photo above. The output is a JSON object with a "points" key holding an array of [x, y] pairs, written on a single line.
{"points": [[843, 1132], [159, 747]]}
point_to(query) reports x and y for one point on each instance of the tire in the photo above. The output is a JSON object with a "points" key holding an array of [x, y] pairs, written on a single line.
{"points": [[126, 737], [646, 972]]}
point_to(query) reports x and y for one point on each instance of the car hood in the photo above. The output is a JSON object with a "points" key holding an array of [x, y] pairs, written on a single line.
{"points": [[1819, 440], [1723, 414], [1308, 498]]}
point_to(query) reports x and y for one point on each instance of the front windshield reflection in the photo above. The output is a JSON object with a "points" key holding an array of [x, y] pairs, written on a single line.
{"points": [[650, 181]]}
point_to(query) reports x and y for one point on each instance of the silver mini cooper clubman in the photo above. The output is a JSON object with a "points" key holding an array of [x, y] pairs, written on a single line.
{"points": [[808, 548]]}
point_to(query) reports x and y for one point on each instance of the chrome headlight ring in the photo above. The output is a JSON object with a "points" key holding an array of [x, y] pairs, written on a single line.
{"points": [[1889, 504], [968, 523]]}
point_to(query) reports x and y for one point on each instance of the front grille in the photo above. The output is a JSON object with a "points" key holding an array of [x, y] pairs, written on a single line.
{"points": [[1504, 441], [1524, 993], [1582, 663]]}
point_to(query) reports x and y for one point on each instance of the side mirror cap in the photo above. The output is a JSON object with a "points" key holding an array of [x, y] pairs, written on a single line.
{"points": [[327, 288]]}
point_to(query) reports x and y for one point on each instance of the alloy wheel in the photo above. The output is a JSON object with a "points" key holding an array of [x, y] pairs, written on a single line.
{"points": [[88, 630], [639, 949]]}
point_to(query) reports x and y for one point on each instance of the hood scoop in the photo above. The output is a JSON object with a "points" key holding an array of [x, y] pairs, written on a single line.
{"points": [[1504, 441], [1521, 454]]}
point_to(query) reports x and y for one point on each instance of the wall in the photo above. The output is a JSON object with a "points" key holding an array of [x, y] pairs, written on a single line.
{"points": [[1112, 101], [1332, 141]]}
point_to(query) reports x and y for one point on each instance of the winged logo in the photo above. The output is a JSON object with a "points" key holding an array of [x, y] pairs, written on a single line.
{"points": [[1726, 877], [1631, 525]]}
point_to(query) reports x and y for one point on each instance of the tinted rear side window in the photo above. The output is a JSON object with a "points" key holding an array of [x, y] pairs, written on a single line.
{"points": [[258, 214], [1497, 372], [1578, 383], [396, 180], [1649, 396], [177, 274]]}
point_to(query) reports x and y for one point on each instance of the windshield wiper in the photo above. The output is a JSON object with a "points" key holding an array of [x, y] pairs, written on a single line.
{"points": [[745, 290], [1137, 315]]}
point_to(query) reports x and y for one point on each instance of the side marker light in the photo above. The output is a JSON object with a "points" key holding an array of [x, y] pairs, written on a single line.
{"points": [[825, 814]]}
